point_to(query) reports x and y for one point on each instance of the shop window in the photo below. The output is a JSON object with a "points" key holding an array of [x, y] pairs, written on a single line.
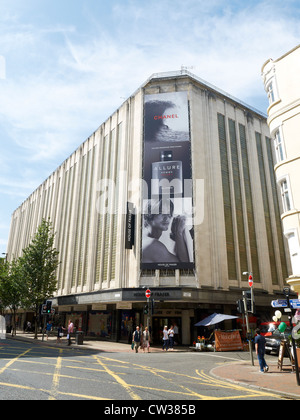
{"points": [[100, 324]]}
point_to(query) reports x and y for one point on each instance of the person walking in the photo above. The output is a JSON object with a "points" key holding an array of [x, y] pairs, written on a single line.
{"points": [[60, 333], [165, 339], [260, 348], [70, 331], [48, 329], [146, 340], [136, 339], [171, 338]]}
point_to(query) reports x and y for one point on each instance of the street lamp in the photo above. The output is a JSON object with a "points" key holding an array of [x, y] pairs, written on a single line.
{"points": [[4, 253], [249, 335]]}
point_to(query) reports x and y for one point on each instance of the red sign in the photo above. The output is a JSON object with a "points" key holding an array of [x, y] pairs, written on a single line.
{"points": [[250, 280], [228, 341], [148, 293]]}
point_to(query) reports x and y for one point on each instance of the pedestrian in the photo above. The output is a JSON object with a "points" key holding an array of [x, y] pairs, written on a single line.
{"points": [[136, 339], [171, 338], [260, 348], [70, 331], [165, 339], [176, 337], [146, 340], [28, 328], [60, 333], [48, 329]]}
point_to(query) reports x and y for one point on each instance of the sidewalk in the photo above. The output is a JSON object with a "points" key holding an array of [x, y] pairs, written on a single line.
{"points": [[242, 373], [90, 344], [275, 381]]}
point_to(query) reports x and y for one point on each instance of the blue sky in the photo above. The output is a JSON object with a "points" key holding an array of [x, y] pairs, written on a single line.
{"points": [[66, 65]]}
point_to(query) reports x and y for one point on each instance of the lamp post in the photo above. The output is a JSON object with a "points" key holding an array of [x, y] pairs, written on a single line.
{"points": [[249, 335], [5, 258]]}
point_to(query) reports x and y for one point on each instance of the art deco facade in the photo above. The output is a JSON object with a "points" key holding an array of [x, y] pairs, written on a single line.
{"points": [[281, 80], [226, 150]]}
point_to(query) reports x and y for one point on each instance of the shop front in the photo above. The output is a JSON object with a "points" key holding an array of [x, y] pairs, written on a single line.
{"points": [[114, 314]]}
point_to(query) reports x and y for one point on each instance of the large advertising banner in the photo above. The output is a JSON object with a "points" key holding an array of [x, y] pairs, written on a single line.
{"points": [[167, 240]]}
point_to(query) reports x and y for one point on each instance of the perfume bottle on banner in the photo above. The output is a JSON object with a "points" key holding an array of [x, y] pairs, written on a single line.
{"points": [[167, 175]]}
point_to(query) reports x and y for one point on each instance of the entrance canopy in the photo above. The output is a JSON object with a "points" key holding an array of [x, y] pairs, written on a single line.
{"points": [[214, 319]]}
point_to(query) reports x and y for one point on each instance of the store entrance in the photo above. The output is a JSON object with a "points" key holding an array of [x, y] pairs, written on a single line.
{"points": [[158, 324]]}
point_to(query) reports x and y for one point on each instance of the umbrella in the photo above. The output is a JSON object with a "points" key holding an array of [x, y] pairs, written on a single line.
{"points": [[214, 319]]}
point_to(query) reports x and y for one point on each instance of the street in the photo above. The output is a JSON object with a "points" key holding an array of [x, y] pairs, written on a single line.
{"points": [[29, 371]]}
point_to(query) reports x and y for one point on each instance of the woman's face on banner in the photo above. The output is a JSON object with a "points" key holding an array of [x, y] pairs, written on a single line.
{"points": [[161, 221]]}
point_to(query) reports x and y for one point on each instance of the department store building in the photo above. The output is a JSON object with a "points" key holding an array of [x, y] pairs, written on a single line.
{"points": [[175, 192]]}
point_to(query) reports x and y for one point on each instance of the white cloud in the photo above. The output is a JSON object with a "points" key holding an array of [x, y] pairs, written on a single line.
{"points": [[65, 77]]}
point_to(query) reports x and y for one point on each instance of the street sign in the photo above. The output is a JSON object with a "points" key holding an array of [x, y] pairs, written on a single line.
{"points": [[148, 293], [250, 280], [295, 303], [282, 303]]}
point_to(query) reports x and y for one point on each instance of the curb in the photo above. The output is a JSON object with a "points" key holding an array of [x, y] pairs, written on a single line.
{"points": [[247, 385]]}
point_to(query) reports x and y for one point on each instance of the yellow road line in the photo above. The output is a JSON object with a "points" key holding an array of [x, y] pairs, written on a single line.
{"points": [[13, 361], [56, 377], [118, 379], [28, 388], [223, 384]]}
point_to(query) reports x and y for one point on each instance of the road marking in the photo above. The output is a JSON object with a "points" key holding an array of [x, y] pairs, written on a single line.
{"points": [[13, 361], [89, 397], [229, 385], [118, 379], [56, 377]]}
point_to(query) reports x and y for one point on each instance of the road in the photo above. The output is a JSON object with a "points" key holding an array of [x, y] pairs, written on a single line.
{"points": [[29, 371]]}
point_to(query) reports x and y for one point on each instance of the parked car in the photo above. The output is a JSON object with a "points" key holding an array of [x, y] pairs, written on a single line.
{"points": [[273, 341]]}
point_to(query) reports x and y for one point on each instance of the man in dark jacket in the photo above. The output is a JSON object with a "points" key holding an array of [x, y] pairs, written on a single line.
{"points": [[260, 348], [136, 338]]}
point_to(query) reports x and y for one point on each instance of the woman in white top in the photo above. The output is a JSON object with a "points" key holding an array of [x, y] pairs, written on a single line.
{"points": [[146, 340], [171, 337], [165, 339]]}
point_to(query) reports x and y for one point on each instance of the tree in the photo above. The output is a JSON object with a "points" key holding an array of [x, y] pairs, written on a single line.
{"points": [[39, 264], [3, 274], [11, 288]]}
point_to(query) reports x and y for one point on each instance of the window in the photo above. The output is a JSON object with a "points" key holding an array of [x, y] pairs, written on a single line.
{"points": [[279, 146], [285, 194], [293, 241], [272, 91]]}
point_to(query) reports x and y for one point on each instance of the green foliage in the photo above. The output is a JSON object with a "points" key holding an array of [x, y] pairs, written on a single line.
{"points": [[11, 288], [39, 263], [31, 279]]}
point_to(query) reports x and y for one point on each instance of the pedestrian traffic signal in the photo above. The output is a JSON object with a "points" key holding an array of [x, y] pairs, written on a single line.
{"points": [[49, 306], [146, 309]]}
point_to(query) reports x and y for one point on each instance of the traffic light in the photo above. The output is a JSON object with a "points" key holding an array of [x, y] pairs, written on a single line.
{"points": [[146, 309], [49, 306], [248, 300], [250, 303], [240, 306]]}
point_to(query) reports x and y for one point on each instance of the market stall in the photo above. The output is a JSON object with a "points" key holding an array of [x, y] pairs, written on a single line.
{"points": [[223, 340]]}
